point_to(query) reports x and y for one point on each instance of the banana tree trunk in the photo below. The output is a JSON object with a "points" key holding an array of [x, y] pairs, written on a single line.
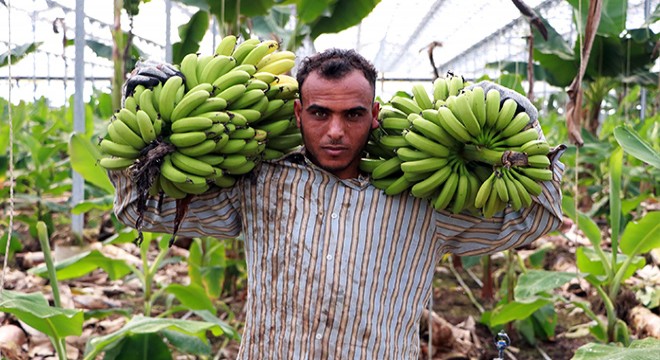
{"points": [[117, 55]]}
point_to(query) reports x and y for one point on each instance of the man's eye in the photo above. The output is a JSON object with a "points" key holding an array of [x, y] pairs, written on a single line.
{"points": [[354, 115], [319, 114]]}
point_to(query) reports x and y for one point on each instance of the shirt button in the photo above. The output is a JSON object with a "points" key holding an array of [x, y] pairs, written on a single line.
{"points": [[334, 215], [329, 257], [318, 336]]}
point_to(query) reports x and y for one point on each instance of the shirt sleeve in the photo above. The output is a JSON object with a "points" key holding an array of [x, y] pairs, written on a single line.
{"points": [[215, 213], [465, 234]]}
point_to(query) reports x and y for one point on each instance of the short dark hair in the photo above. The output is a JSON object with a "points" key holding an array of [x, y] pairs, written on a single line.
{"points": [[334, 64]]}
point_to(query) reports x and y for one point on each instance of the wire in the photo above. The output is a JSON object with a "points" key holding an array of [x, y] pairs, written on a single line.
{"points": [[11, 156]]}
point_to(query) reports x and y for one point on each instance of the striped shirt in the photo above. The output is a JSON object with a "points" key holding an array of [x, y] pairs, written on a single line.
{"points": [[337, 269]]}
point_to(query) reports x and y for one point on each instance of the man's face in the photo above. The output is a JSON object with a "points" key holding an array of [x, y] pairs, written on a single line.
{"points": [[335, 118]]}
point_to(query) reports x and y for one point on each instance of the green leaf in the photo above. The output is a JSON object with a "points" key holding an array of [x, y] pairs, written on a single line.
{"points": [[645, 349], [545, 321], [616, 170], [247, 8], [84, 157], [642, 236], [84, 263], [588, 226], [535, 281], [612, 17], [345, 14], [589, 262], [146, 325], [18, 53], [191, 35], [634, 145], [186, 343], [14, 246], [104, 203], [140, 347], [310, 10], [33, 309], [192, 296], [516, 310]]}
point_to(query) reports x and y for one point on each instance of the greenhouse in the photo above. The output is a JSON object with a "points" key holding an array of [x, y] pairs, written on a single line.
{"points": [[329, 179]]}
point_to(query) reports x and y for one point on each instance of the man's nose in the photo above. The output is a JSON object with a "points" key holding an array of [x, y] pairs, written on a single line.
{"points": [[336, 127]]}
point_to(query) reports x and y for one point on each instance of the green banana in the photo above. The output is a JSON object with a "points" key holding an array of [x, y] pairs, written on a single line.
{"points": [[231, 146], [189, 70], [398, 186], [492, 107], [194, 189], [226, 45], [119, 150], [538, 161], [519, 138], [536, 174], [535, 147], [285, 142], [440, 89], [190, 165], [406, 105], [463, 112], [192, 123], [455, 85], [479, 105], [506, 114], [224, 181], [447, 192], [115, 163], [242, 117], [275, 128], [127, 135], [421, 97], [528, 183], [409, 154], [427, 187], [128, 118], [232, 93], [230, 79], [130, 103], [453, 126], [147, 103], [187, 139], [210, 104], [518, 123], [387, 168], [423, 144], [461, 195], [146, 126], [201, 149], [248, 98], [168, 96], [514, 195], [484, 192], [233, 161], [216, 67], [243, 49], [188, 103], [369, 164], [424, 166]]}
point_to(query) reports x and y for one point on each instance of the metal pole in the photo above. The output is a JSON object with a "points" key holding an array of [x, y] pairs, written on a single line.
{"points": [[78, 186], [643, 93], [168, 26]]}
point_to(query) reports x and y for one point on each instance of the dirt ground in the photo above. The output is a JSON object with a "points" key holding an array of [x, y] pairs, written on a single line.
{"points": [[450, 304]]}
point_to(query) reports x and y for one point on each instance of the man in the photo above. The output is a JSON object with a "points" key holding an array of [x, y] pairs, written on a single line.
{"points": [[336, 268]]}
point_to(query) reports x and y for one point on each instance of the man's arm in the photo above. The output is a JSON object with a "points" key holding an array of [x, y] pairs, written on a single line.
{"points": [[214, 213], [465, 234]]}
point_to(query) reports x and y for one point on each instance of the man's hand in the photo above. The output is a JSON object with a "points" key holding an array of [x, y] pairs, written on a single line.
{"points": [[148, 74], [506, 93]]}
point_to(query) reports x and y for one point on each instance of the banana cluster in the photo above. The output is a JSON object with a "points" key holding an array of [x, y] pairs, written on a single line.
{"points": [[462, 148], [234, 109]]}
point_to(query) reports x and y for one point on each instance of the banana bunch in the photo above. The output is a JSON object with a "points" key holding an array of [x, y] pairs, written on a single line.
{"points": [[234, 109], [461, 148]]}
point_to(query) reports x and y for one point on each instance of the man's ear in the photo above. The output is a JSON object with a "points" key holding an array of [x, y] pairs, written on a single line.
{"points": [[297, 110], [375, 110]]}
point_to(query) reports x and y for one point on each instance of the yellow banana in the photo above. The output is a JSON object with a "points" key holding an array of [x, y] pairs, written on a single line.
{"points": [[273, 57], [261, 50], [278, 67]]}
